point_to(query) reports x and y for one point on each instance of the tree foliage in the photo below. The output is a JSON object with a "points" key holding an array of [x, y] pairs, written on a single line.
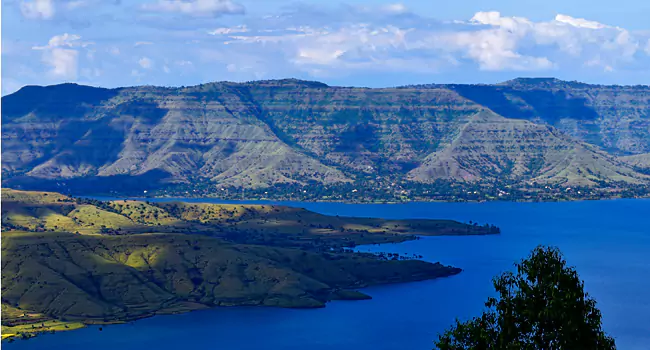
{"points": [[542, 305]]}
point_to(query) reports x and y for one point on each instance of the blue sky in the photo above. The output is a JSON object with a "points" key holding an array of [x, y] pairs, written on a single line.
{"points": [[356, 43]]}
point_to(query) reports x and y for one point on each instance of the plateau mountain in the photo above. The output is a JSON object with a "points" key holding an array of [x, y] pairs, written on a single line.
{"points": [[262, 134]]}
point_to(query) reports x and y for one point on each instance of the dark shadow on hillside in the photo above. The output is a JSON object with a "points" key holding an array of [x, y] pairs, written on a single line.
{"points": [[551, 106], [125, 185], [63, 100]]}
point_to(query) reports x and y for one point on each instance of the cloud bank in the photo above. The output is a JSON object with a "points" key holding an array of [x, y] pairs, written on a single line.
{"points": [[349, 44]]}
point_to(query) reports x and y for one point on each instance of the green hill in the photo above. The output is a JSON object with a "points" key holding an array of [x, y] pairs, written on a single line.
{"points": [[249, 224], [110, 278], [68, 262]]}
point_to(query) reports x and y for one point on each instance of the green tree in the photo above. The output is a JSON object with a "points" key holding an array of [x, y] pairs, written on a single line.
{"points": [[542, 305]]}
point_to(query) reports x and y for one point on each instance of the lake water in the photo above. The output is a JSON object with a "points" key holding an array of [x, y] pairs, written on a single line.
{"points": [[607, 241]]}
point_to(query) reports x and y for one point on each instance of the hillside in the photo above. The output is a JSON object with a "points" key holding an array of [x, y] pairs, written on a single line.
{"points": [[108, 278], [68, 261], [266, 134], [249, 224], [491, 147], [640, 161], [614, 118]]}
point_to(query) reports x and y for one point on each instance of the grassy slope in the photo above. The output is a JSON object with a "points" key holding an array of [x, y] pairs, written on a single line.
{"points": [[18, 323], [115, 278], [640, 161], [176, 257], [285, 226], [250, 224], [493, 147]]}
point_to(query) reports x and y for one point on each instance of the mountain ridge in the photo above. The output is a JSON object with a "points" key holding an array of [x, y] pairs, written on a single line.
{"points": [[263, 133]]}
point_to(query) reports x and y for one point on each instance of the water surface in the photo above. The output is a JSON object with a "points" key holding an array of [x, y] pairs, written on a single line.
{"points": [[608, 242]]}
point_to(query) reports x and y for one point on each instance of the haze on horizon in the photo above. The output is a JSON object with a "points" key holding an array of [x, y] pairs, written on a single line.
{"points": [[354, 43]]}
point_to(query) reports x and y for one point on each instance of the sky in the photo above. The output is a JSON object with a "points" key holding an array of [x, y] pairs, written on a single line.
{"points": [[113, 43]]}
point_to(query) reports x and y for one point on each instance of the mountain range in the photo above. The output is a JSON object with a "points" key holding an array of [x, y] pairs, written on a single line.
{"points": [[539, 131]]}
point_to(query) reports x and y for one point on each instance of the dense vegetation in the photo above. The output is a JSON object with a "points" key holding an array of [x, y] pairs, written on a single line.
{"points": [[400, 191], [362, 191], [542, 305]]}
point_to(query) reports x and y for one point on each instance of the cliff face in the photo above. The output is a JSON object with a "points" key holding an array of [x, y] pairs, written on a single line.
{"points": [[214, 134], [615, 118], [262, 133], [490, 146]]}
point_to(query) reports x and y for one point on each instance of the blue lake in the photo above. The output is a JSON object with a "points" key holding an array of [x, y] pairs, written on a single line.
{"points": [[607, 241]]}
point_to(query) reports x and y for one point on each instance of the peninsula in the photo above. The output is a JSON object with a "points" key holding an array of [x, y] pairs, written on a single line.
{"points": [[70, 261]]}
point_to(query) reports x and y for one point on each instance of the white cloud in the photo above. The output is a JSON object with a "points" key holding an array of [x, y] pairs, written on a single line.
{"points": [[493, 50], [63, 40], [579, 22], [145, 62], [37, 9], [198, 8], [324, 56], [502, 47], [62, 56], [494, 18], [624, 44], [347, 44], [491, 41], [66, 39], [63, 62], [229, 30]]}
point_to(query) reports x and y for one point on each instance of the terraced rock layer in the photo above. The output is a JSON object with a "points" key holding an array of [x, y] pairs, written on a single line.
{"points": [[263, 133]]}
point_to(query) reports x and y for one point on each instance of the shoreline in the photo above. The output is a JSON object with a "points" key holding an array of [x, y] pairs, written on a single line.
{"points": [[272, 200], [344, 294], [20, 323]]}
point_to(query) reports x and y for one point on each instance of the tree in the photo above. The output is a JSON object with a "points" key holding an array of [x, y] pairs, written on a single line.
{"points": [[541, 306]]}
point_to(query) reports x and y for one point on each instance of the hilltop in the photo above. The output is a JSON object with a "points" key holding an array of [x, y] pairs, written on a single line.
{"points": [[535, 134], [69, 261]]}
